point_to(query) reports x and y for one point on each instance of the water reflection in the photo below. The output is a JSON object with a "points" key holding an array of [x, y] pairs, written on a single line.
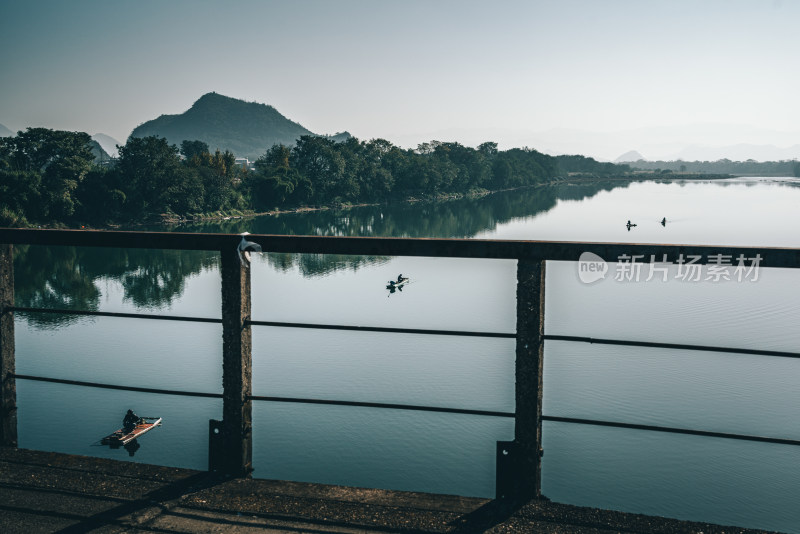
{"points": [[463, 218], [131, 447], [68, 277], [320, 264], [397, 285]]}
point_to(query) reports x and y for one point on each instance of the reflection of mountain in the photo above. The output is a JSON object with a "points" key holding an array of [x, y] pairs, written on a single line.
{"points": [[68, 277]]}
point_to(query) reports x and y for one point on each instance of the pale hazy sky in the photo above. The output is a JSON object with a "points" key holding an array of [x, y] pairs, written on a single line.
{"points": [[411, 71]]}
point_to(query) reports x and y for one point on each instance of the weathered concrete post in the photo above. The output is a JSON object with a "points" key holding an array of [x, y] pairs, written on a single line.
{"points": [[527, 450], [8, 385], [237, 437]]}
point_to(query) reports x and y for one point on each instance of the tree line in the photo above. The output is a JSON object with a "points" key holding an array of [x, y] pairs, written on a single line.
{"points": [[723, 166], [52, 177]]}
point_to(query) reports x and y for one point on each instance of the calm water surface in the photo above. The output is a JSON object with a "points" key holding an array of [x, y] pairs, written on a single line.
{"points": [[707, 479]]}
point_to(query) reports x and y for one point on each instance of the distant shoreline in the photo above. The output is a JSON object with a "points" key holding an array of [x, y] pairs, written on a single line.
{"points": [[445, 197], [576, 179]]}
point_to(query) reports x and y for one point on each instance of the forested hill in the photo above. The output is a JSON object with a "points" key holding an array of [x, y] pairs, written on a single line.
{"points": [[247, 129], [5, 132]]}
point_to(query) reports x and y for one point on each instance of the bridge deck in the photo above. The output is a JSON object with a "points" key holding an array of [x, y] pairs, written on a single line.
{"points": [[48, 492]]}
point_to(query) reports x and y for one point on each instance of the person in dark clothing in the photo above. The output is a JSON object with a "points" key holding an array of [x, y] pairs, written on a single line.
{"points": [[130, 421]]}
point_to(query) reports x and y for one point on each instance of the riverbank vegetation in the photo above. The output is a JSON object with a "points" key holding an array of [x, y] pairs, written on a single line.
{"points": [[50, 177], [721, 167]]}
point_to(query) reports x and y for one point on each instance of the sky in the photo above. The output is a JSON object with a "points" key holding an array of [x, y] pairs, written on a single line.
{"points": [[579, 76]]}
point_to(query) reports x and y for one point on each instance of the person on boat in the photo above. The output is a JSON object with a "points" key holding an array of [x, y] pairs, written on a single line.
{"points": [[400, 278], [130, 421]]}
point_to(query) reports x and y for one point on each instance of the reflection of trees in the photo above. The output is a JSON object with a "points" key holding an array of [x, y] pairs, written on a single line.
{"points": [[66, 277], [154, 278], [321, 264], [581, 191], [462, 218], [52, 277]]}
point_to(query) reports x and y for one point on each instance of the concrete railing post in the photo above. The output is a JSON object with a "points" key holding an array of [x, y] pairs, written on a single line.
{"points": [[8, 385], [237, 438], [527, 449]]}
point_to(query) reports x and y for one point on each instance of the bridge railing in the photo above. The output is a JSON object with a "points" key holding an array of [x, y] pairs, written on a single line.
{"points": [[230, 444]]}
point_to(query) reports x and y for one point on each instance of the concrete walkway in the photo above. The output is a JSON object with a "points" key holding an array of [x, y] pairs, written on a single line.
{"points": [[50, 492]]}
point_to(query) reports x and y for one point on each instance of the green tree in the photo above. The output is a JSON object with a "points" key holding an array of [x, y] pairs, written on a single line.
{"points": [[100, 197], [218, 177], [190, 149], [150, 176], [42, 169], [274, 182], [320, 161]]}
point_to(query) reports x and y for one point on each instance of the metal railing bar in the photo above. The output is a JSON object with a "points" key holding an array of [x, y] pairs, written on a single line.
{"points": [[394, 246], [383, 405], [23, 309], [600, 341], [263, 398], [672, 430], [384, 329], [118, 387]]}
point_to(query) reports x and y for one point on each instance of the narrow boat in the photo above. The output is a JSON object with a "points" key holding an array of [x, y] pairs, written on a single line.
{"points": [[121, 437], [394, 284]]}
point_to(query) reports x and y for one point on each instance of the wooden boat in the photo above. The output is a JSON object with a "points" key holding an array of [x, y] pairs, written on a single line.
{"points": [[121, 437], [394, 284]]}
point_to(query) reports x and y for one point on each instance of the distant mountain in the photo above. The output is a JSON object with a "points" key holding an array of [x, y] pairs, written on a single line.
{"points": [[340, 137], [5, 132], [247, 129], [100, 155], [628, 157], [108, 143]]}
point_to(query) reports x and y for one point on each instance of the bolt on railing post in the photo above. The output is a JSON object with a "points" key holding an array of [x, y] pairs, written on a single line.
{"points": [[527, 448], [8, 385], [237, 438]]}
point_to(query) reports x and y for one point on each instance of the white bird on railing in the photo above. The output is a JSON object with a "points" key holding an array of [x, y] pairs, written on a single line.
{"points": [[244, 248]]}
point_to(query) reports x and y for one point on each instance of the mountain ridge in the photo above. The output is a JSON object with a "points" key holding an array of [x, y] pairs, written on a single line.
{"points": [[627, 157], [247, 129], [107, 143]]}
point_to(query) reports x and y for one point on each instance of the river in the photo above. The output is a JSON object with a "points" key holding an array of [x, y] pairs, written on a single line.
{"points": [[699, 478]]}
